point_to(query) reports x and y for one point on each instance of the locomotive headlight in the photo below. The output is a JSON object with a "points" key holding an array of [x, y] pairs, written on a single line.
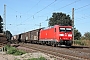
{"points": [[70, 35], [61, 34]]}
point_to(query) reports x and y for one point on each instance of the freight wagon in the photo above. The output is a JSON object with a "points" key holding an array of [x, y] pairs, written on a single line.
{"points": [[30, 36], [3, 39]]}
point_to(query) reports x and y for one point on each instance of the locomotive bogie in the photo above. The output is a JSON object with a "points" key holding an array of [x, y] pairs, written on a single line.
{"points": [[66, 42]]}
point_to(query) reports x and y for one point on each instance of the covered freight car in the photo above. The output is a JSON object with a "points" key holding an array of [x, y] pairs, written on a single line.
{"points": [[34, 35], [3, 39], [22, 37], [27, 36], [14, 39], [30, 36]]}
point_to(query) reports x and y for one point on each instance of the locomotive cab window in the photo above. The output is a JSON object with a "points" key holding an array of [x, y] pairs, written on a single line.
{"points": [[65, 29], [62, 29], [68, 29]]}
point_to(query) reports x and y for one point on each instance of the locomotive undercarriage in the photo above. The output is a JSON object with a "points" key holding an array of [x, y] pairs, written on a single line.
{"points": [[50, 43], [66, 42]]}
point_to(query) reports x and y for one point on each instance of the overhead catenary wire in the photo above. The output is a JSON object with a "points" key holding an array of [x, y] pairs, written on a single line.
{"points": [[31, 8], [23, 13], [13, 9], [41, 9], [68, 4], [45, 7], [61, 7], [64, 7], [83, 7], [16, 15], [34, 6], [83, 17], [80, 8]]}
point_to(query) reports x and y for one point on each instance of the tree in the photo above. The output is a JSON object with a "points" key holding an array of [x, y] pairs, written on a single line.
{"points": [[1, 25], [87, 35], [77, 34], [63, 20], [60, 19]]}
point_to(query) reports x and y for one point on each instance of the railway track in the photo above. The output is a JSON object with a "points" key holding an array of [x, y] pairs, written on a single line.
{"points": [[85, 50], [61, 53]]}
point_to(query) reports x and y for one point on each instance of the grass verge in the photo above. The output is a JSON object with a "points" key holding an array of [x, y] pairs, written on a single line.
{"points": [[13, 50], [82, 42]]}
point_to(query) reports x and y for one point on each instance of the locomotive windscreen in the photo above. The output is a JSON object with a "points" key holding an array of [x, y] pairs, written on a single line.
{"points": [[65, 29], [68, 29]]}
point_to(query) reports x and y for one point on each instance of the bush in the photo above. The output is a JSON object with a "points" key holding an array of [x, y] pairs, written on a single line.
{"points": [[80, 42], [13, 50]]}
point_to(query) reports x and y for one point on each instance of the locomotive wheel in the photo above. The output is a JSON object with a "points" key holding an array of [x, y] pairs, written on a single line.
{"points": [[54, 45]]}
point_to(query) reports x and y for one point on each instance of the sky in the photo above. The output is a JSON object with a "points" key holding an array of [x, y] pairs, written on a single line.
{"points": [[26, 15]]}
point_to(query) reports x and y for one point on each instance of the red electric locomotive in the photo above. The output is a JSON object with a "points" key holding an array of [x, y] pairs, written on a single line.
{"points": [[57, 35]]}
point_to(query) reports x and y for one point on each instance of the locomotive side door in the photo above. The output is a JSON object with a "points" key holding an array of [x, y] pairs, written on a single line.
{"points": [[54, 33]]}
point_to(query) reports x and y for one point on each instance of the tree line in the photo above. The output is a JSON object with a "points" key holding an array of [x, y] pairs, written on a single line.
{"points": [[1, 25]]}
